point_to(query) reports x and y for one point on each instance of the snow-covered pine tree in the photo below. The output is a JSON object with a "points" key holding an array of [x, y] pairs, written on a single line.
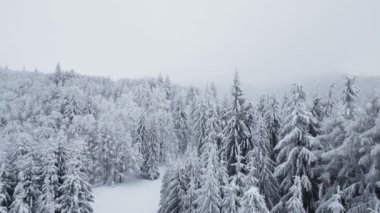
{"points": [[236, 133], [273, 124], [168, 88], [115, 154], [213, 94], [356, 162], [234, 190], [253, 201], [150, 154], [294, 204], [71, 106], [5, 197], [261, 166], [328, 106], [173, 190], [76, 190], [209, 199], [261, 106], [230, 201], [284, 103], [317, 107], [295, 150], [57, 77], [209, 196], [26, 191], [166, 135], [333, 204], [339, 134], [141, 135], [46, 202], [350, 94], [61, 154], [181, 124], [199, 120], [192, 169]]}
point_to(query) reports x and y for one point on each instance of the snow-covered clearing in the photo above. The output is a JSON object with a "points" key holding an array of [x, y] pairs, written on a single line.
{"points": [[136, 195]]}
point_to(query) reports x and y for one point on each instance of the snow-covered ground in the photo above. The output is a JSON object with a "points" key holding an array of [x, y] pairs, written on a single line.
{"points": [[134, 196]]}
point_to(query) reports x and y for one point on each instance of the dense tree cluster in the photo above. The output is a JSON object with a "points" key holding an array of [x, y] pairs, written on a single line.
{"points": [[301, 154], [56, 128], [318, 154]]}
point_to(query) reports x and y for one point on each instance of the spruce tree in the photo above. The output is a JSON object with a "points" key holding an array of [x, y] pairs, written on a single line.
{"points": [[209, 195], [26, 191], [295, 150], [350, 94], [141, 133], [173, 190], [231, 201], [317, 107], [253, 201], [61, 154], [294, 204], [199, 120], [181, 125], [192, 180], [273, 124], [76, 190], [329, 105], [261, 166], [150, 152], [236, 133], [340, 136], [5, 187], [50, 184]]}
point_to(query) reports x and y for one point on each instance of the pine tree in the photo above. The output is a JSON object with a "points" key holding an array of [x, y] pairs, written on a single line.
{"points": [[317, 108], [332, 205], [230, 202], [330, 103], [350, 94], [46, 202], [61, 154], [192, 180], [273, 124], [296, 156], [294, 203], [5, 187], [253, 202], [150, 150], [180, 125], [58, 77], [77, 192], [209, 195], [236, 133], [340, 139], [199, 120], [141, 133], [173, 190], [26, 190], [115, 154], [261, 106], [261, 166]]}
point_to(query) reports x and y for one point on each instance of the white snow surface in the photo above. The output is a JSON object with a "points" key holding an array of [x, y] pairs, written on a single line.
{"points": [[136, 195]]}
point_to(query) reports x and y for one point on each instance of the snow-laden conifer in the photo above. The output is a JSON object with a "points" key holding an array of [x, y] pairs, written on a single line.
{"points": [[295, 149]]}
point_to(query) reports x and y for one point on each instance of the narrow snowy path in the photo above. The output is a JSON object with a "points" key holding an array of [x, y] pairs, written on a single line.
{"points": [[134, 196]]}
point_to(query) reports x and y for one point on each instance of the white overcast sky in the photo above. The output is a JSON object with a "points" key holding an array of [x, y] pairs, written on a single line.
{"points": [[193, 41]]}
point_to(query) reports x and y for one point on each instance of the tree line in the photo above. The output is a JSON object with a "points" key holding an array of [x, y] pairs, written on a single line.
{"points": [[63, 133], [296, 155]]}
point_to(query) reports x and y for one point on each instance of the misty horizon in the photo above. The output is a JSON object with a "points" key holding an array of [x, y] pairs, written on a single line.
{"points": [[193, 42]]}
